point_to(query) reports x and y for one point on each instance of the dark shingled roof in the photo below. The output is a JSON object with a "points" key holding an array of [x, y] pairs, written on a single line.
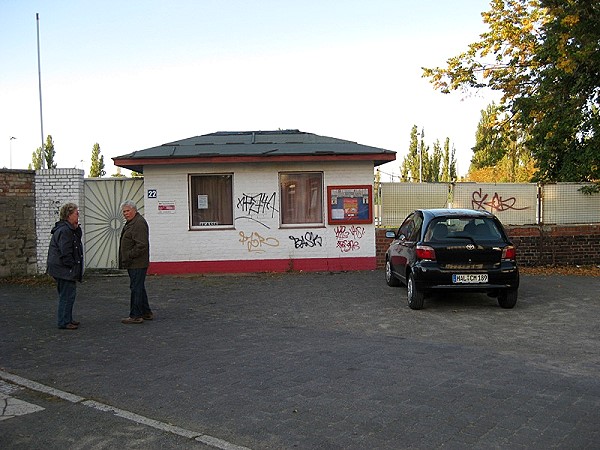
{"points": [[255, 146]]}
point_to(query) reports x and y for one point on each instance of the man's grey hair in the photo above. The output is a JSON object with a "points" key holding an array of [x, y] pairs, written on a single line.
{"points": [[129, 203]]}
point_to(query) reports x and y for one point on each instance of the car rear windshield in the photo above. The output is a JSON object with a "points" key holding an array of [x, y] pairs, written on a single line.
{"points": [[456, 227]]}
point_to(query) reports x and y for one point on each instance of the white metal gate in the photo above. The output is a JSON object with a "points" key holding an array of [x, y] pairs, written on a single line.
{"points": [[103, 219]]}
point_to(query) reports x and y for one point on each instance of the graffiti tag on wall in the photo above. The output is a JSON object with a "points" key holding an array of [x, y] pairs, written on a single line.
{"points": [[348, 237], [257, 206], [309, 239], [495, 204], [257, 243]]}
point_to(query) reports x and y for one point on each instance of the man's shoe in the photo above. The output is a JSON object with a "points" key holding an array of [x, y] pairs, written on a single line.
{"points": [[69, 326], [75, 322], [148, 316], [130, 320]]}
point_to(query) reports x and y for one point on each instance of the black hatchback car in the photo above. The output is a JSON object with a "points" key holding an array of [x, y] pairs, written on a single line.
{"points": [[452, 249]]}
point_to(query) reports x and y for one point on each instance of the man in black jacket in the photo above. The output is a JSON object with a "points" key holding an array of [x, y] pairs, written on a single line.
{"points": [[134, 255], [65, 262]]}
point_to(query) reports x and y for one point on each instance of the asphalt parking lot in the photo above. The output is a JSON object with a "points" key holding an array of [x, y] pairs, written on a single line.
{"points": [[301, 360]]}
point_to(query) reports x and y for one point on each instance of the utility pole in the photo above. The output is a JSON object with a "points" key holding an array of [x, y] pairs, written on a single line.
{"points": [[37, 20], [420, 147], [10, 149]]}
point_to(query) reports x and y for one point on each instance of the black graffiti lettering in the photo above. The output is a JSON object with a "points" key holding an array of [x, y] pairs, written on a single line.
{"points": [[308, 240], [261, 203]]}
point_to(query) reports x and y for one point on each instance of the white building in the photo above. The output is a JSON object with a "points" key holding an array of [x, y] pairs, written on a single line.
{"points": [[259, 201]]}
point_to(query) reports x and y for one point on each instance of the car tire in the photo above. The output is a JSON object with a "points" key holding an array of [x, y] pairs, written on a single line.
{"points": [[415, 297], [390, 279], [507, 298]]}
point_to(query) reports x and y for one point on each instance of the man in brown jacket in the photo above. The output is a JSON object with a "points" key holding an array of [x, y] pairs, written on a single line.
{"points": [[134, 255]]}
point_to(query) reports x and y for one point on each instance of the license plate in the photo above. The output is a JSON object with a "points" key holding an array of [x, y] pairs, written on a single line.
{"points": [[470, 278]]}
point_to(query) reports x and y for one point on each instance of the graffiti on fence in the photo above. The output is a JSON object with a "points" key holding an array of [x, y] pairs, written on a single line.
{"points": [[495, 204]]}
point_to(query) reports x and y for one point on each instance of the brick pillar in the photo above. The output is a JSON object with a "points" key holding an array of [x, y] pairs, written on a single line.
{"points": [[54, 188]]}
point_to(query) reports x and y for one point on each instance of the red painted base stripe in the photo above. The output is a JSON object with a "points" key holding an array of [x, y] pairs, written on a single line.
{"points": [[263, 265]]}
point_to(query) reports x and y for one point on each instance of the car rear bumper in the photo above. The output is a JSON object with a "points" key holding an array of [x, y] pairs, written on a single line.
{"points": [[433, 278]]}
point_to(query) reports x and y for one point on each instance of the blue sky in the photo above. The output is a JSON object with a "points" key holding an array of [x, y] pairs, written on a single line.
{"points": [[131, 74]]}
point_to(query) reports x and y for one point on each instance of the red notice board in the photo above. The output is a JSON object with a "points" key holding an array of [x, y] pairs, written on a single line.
{"points": [[350, 204]]}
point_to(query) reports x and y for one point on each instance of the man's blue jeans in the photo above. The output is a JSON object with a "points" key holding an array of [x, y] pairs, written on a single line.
{"points": [[67, 291], [139, 299]]}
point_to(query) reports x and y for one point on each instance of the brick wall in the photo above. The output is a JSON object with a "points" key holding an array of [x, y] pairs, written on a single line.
{"points": [[17, 223], [556, 244], [54, 188], [539, 245]]}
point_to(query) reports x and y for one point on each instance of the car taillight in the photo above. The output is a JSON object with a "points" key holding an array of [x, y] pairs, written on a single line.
{"points": [[509, 253], [425, 252]]}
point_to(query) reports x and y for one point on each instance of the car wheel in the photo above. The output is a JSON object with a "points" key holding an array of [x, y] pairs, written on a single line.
{"points": [[508, 298], [390, 279], [415, 297]]}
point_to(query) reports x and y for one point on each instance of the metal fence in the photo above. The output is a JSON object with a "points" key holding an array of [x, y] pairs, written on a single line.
{"points": [[564, 203], [513, 203], [399, 199]]}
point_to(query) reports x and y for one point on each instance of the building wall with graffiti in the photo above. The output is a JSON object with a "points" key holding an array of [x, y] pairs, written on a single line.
{"points": [[256, 240]]}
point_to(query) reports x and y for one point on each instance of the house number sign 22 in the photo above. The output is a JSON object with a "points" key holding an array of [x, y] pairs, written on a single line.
{"points": [[152, 193]]}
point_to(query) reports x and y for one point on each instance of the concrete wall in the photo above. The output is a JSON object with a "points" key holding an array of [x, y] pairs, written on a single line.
{"points": [[17, 223]]}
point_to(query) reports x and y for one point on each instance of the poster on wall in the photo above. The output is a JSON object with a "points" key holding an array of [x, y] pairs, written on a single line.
{"points": [[350, 204]]}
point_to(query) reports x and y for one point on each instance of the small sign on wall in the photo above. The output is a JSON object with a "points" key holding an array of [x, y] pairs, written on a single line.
{"points": [[166, 207], [152, 193], [350, 204]]}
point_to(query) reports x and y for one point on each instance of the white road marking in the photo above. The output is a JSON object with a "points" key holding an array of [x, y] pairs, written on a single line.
{"points": [[141, 419], [16, 405], [40, 387], [219, 443], [11, 407]]}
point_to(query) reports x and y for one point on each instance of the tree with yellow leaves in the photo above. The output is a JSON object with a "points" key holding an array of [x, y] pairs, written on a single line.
{"points": [[544, 57]]}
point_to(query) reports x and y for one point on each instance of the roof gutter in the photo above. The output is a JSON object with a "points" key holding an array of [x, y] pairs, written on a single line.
{"points": [[378, 159]]}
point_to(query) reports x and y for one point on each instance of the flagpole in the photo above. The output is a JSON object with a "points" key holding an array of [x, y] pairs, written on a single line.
{"points": [[37, 19]]}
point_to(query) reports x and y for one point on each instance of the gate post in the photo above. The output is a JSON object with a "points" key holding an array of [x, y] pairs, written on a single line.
{"points": [[54, 188]]}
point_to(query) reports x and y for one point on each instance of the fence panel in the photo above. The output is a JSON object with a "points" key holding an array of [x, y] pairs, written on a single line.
{"points": [[103, 218], [563, 203], [513, 203], [400, 199]]}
